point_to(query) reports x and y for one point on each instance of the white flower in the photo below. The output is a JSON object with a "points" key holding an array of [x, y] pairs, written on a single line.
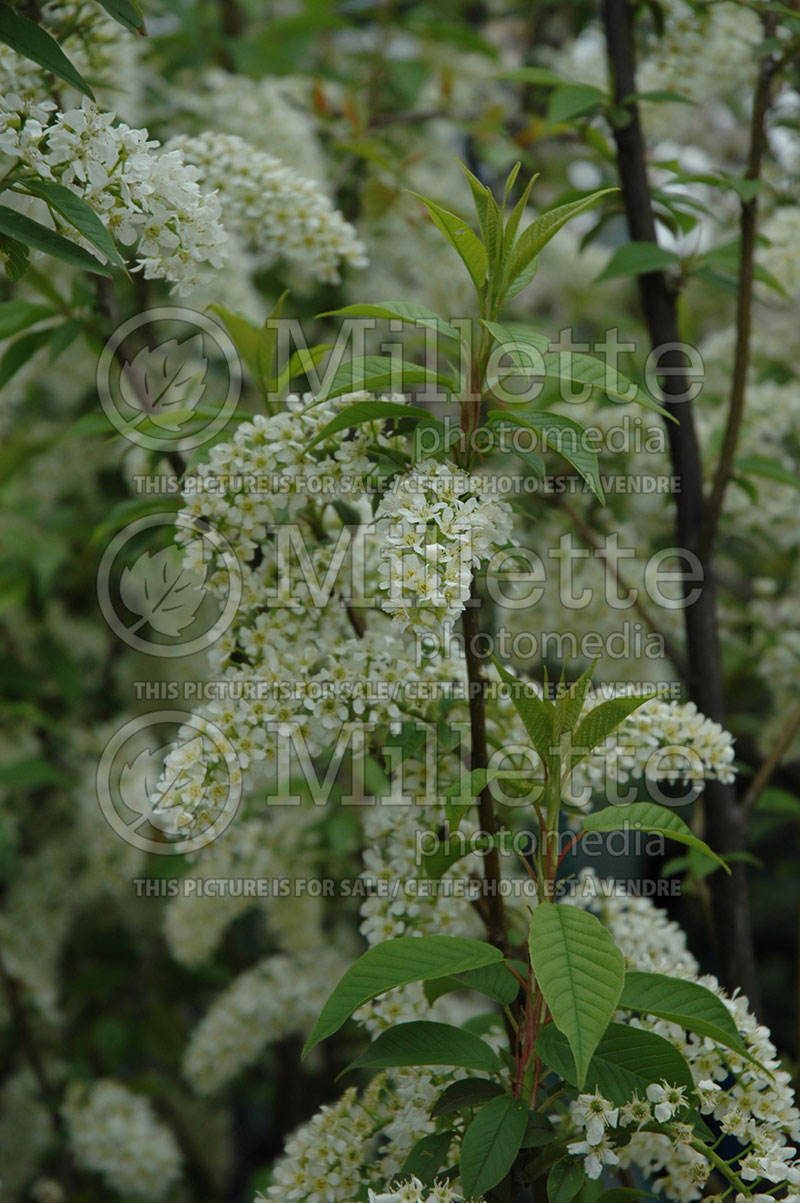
{"points": [[595, 1156], [595, 1114], [667, 1098]]}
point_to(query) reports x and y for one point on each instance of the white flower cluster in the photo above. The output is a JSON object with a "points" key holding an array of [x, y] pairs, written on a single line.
{"points": [[274, 210], [390, 856], [662, 741], [413, 1191], [312, 672], [115, 1132], [439, 525], [720, 40], [325, 1158], [752, 1102], [271, 113], [141, 195], [779, 256], [279, 997]]}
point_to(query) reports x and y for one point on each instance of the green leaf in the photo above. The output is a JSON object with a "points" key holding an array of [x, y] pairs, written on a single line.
{"points": [[127, 13], [245, 337], [32, 773], [18, 353], [536, 236], [267, 346], [462, 794], [772, 469], [585, 369], [581, 973], [625, 1062], [421, 1042], [367, 411], [565, 1180], [515, 217], [649, 817], [31, 233], [776, 801], [31, 41], [564, 435], [491, 1144], [495, 981], [18, 315], [688, 1004], [537, 714], [602, 720], [520, 342], [403, 311], [481, 197], [16, 260], [464, 240], [623, 1194], [433, 438], [528, 351], [636, 259], [427, 1157], [573, 100], [467, 1092], [256, 344], [378, 372], [522, 279], [78, 214], [396, 963], [569, 703], [538, 1131]]}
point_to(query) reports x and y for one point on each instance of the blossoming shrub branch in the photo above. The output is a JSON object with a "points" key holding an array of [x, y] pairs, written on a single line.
{"points": [[521, 1038]]}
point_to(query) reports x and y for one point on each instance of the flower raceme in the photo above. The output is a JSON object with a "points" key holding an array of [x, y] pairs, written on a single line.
{"points": [[142, 195]]}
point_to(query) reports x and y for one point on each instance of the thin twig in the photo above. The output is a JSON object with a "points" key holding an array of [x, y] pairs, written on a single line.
{"points": [[776, 755], [744, 300]]}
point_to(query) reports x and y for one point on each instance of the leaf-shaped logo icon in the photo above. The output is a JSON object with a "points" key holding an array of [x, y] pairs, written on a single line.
{"points": [[161, 591], [138, 780], [170, 376]]}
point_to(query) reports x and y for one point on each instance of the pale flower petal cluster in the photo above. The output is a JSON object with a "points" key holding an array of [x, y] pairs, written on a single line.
{"points": [[274, 210], [279, 997], [413, 1191], [114, 1132], [438, 524], [144, 197]]}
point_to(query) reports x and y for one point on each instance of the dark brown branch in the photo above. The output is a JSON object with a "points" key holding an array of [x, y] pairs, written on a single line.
{"points": [[725, 826]]}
